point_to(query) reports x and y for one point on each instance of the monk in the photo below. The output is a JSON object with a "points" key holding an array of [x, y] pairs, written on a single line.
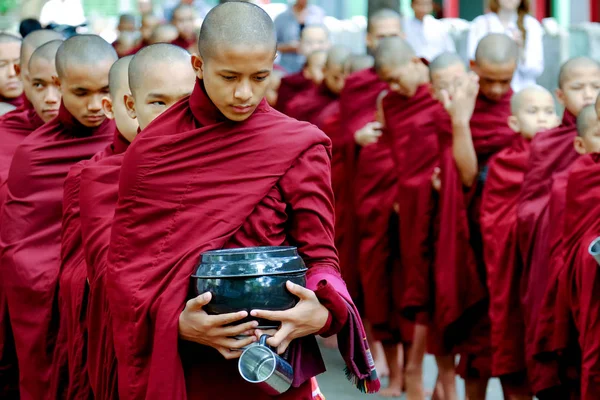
{"points": [[149, 23], [126, 29], [551, 153], [478, 107], [533, 110], [273, 87], [313, 38], [11, 88], [31, 217], [43, 99], [309, 105], [163, 34], [191, 353], [368, 164], [184, 17]]}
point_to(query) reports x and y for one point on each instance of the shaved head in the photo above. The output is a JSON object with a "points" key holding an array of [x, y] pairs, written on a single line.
{"points": [[497, 48], [443, 61], [393, 52], [8, 38], [239, 25], [586, 119], [571, 68], [522, 98], [86, 50], [34, 40], [163, 34], [381, 15], [337, 56], [45, 52], [11, 87], [149, 57], [313, 28], [118, 76], [358, 62], [44, 93]]}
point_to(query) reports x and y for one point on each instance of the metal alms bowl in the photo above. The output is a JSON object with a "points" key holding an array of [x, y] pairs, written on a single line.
{"points": [[249, 278]]}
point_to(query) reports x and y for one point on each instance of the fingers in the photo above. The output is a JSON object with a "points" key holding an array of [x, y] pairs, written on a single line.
{"points": [[301, 292], [229, 354], [280, 337], [259, 332], [225, 319], [445, 99], [270, 315], [235, 344], [235, 330], [197, 303]]}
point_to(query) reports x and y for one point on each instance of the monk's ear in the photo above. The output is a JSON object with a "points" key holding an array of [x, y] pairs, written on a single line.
{"points": [[560, 96], [107, 106], [130, 106], [513, 123], [579, 145], [18, 69], [198, 65], [56, 80], [473, 65]]}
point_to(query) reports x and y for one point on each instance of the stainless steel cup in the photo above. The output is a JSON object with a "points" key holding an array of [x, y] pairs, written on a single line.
{"points": [[594, 249], [261, 365]]}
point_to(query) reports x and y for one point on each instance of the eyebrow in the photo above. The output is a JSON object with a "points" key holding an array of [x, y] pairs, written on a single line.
{"points": [[262, 71]]}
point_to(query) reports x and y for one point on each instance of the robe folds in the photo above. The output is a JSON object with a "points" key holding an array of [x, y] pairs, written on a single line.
{"points": [[15, 126], [551, 152], [461, 297], [502, 260], [413, 139], [582, 216], [196, 181], [307, 106], [184, 43], [291, 86], [70, 375], [30, 239]]}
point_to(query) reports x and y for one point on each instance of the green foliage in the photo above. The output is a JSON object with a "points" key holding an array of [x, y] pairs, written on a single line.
{"points": [[7, 5]]}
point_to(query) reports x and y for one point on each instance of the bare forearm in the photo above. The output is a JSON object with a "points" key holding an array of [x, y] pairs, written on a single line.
{"points": [[464, 152], [287, 48]]}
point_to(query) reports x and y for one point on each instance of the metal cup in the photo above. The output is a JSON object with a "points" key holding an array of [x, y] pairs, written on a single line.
{"points": [[259, 364], [594, 249]]}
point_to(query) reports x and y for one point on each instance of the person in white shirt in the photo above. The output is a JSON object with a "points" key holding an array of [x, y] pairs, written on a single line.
{"points": [[512, 18], [427, 35], [62, 12]]}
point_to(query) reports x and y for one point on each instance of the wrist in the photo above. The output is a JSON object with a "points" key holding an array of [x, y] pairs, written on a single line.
{"points": [[461, 122]]}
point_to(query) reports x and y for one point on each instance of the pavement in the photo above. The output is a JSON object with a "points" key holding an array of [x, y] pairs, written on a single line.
{"points": [[335, 386]]}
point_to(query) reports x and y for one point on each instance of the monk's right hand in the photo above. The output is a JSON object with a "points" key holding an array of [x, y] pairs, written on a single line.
{"points": [[368, 134], [195, 325], [459, 100]]}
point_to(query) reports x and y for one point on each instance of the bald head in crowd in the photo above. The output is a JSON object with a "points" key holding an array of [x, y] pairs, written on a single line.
{"points": [[114, 105], [31, 42], [159, 76], [444, 70], [532, 111], [588, 131], [82, 65], [381, 24], [334, 74], [495, 62], [163, 34], [397, 64], [45, 94], [11, 86], [579, 83], [314, 38]]}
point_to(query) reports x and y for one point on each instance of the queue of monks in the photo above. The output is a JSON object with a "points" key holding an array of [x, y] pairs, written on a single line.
{"points": [[451, 215]]}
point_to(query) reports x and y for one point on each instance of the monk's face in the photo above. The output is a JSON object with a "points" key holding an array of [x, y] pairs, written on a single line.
{"points": [[83, 88], [536, 113], [314, 39], [183, 19], [273, 89], [579, 88], [589, 142], [126, 26], [403, 79], [164, 85], [11, 86], [388, 27], [443, 79], [149, 22], [45, 93], [335, 77], [494, 79], [236, 78]]}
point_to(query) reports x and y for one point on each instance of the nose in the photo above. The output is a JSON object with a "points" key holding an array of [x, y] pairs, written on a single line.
{"points": [[12, 72], [52, 95], [95, 103], [243, 91]]}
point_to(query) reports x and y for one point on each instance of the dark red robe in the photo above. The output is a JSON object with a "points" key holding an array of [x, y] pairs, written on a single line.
{"points": [[184, 43], [70, 374], [30, 239], [173, 206], [14, 127], [551, 152], [412, 133], [307, 105], [291, 86], [18, 102], [460, 276], [502, 259]]}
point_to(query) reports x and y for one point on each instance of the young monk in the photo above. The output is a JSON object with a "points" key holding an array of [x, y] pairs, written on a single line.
{"points": [[43, 99], [190, 354], [474, 129], [533, 110], [31, 217], [11, 88], [149, 23], [551, 153], [308, 105], [183, 19], [313, 38], [163, 34], [368, 164]]}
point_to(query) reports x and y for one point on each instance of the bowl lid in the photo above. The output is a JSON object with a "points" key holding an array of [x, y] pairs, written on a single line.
{"points": [[250, 261]]}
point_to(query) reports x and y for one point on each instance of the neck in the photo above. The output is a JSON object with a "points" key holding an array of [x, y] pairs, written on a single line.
{"points": [[506, 16]]}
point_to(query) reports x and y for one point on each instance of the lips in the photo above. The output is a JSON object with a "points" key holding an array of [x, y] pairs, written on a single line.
{"points": [[94, 118], [242, 109]]}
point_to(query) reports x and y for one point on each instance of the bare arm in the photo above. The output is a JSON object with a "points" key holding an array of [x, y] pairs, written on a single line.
{"points": [[464, 152]]}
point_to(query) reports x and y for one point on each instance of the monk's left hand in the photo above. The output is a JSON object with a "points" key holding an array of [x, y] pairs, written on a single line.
{"points": [[308, 317]]}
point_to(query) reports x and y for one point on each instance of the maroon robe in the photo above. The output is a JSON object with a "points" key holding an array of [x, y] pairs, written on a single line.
{"points": [[14, 127], [70, 375], [18, 102], [173, 206], [307, 105], [30, 239], [551, 152], [184, 43], [413, 138], [291, 86], [461, 295], [502, 259]]}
